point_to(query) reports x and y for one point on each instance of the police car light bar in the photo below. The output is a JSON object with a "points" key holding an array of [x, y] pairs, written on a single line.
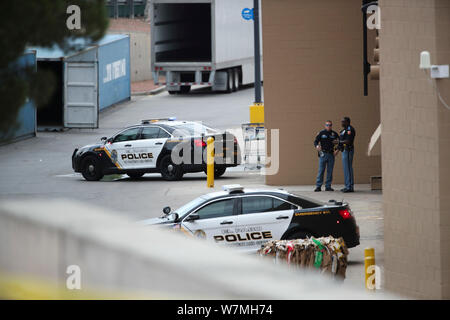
{"points": [[233, 188], [147, 121]]}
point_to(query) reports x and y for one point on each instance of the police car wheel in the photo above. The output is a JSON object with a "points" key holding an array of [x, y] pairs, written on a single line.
{"points": [[218, 172], [91, 169], [173, 92], [169, 170], [299, 235], [135, 175]]}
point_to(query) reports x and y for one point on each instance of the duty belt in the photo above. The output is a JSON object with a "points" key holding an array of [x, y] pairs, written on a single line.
{"points": [[348, 147]]}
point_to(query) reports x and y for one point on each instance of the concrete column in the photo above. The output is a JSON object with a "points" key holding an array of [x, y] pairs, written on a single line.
{"points": [[415, 148]]}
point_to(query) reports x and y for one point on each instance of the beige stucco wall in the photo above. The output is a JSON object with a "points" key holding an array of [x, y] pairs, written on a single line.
{"points": [[313, 72], [139, 31], [416, 148]]}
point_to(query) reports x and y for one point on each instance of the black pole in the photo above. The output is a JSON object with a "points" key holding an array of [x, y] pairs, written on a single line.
{"points": [[116, 9], [257, 52], [366, 65], [131, 4]]}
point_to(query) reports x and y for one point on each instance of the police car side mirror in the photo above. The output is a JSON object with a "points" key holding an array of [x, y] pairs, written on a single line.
{"points": [[174, 216], [166, 210], [192, 217]]}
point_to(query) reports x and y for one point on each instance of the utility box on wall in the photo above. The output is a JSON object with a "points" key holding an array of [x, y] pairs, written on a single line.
{"points": [[87, 81]]}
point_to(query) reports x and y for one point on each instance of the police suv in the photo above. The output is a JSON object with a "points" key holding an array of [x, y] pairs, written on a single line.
{"points": [[247, 218], [165, 146]]}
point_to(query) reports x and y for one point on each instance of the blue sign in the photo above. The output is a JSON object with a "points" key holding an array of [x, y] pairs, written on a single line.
{"points": [[247, 13]]}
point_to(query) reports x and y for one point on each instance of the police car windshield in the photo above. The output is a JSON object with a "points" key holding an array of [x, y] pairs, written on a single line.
{"points": [[192, 129], [189, 206]]}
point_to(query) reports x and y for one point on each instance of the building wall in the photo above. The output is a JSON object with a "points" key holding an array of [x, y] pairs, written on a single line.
{"points": [[139, 31], [415, 148], [442, 23], [313, 72]]}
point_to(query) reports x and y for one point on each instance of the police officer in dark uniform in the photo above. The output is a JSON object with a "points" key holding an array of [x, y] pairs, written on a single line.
{"points": [[346, 140], [325, 143]]}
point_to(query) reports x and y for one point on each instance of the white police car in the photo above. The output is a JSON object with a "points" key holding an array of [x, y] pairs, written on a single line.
{"points": [[167, 146], [247, 218]]}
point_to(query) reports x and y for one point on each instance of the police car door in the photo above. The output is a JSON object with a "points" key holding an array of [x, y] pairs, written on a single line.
{"points": [[262, 218], [214, 221], [149, 146], [120, 149]]}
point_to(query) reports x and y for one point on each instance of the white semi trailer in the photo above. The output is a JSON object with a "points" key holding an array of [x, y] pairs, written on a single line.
{"points": [[202, 42]]}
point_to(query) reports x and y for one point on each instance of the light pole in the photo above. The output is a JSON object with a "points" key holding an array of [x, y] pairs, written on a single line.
{"points": [[257, 52], [257, 109]]}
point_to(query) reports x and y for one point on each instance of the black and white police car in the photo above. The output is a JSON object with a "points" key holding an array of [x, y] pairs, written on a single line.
{"points": [[165, 146], [247, 218]]}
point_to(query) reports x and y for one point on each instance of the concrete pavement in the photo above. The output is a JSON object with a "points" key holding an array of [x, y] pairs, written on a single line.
{"points": [[41, 167]]}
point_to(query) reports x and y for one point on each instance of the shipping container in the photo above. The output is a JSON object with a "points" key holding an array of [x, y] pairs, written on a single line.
{"points": [[114, 70], [87, 80], [26, 118], [206, 42]]}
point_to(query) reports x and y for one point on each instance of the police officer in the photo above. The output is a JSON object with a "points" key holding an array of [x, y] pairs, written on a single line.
{"points": [[325, 143], [346, 140]]}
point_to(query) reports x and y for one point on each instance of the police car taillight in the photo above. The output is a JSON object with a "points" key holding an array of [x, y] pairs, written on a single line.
{"points": [[199, 143], [345, 214]]}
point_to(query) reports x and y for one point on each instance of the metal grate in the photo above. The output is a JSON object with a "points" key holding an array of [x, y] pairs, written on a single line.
{"points": [[125, 8]]}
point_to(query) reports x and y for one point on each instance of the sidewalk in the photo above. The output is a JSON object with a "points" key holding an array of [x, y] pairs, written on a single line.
{"points": [[145, 88], [367, 208], [365, 204]]}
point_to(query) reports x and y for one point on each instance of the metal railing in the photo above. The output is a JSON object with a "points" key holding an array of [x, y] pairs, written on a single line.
{"points": [[125, 8]]}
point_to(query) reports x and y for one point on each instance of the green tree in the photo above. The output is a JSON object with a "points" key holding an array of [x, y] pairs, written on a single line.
{"points": [[38, 23]]}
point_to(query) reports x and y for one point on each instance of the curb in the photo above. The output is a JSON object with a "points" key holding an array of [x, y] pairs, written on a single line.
{"points": [[151, 92]]}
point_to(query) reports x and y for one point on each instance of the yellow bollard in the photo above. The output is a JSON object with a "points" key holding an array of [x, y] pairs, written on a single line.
{"points": [[210, 162], [369, 260], [257, 113]]}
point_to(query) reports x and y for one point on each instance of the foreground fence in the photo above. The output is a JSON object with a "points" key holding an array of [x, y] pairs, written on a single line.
{"points": [[60, 249]]}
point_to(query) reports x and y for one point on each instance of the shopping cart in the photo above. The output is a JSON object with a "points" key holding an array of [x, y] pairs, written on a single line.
{"points": [[254, 145]]}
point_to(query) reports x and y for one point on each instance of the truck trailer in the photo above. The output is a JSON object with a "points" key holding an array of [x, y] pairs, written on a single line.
{"points": [[202, 42]]}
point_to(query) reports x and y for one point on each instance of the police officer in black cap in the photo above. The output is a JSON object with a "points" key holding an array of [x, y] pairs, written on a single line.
{"points": [[346, 140], [325, 143]]}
